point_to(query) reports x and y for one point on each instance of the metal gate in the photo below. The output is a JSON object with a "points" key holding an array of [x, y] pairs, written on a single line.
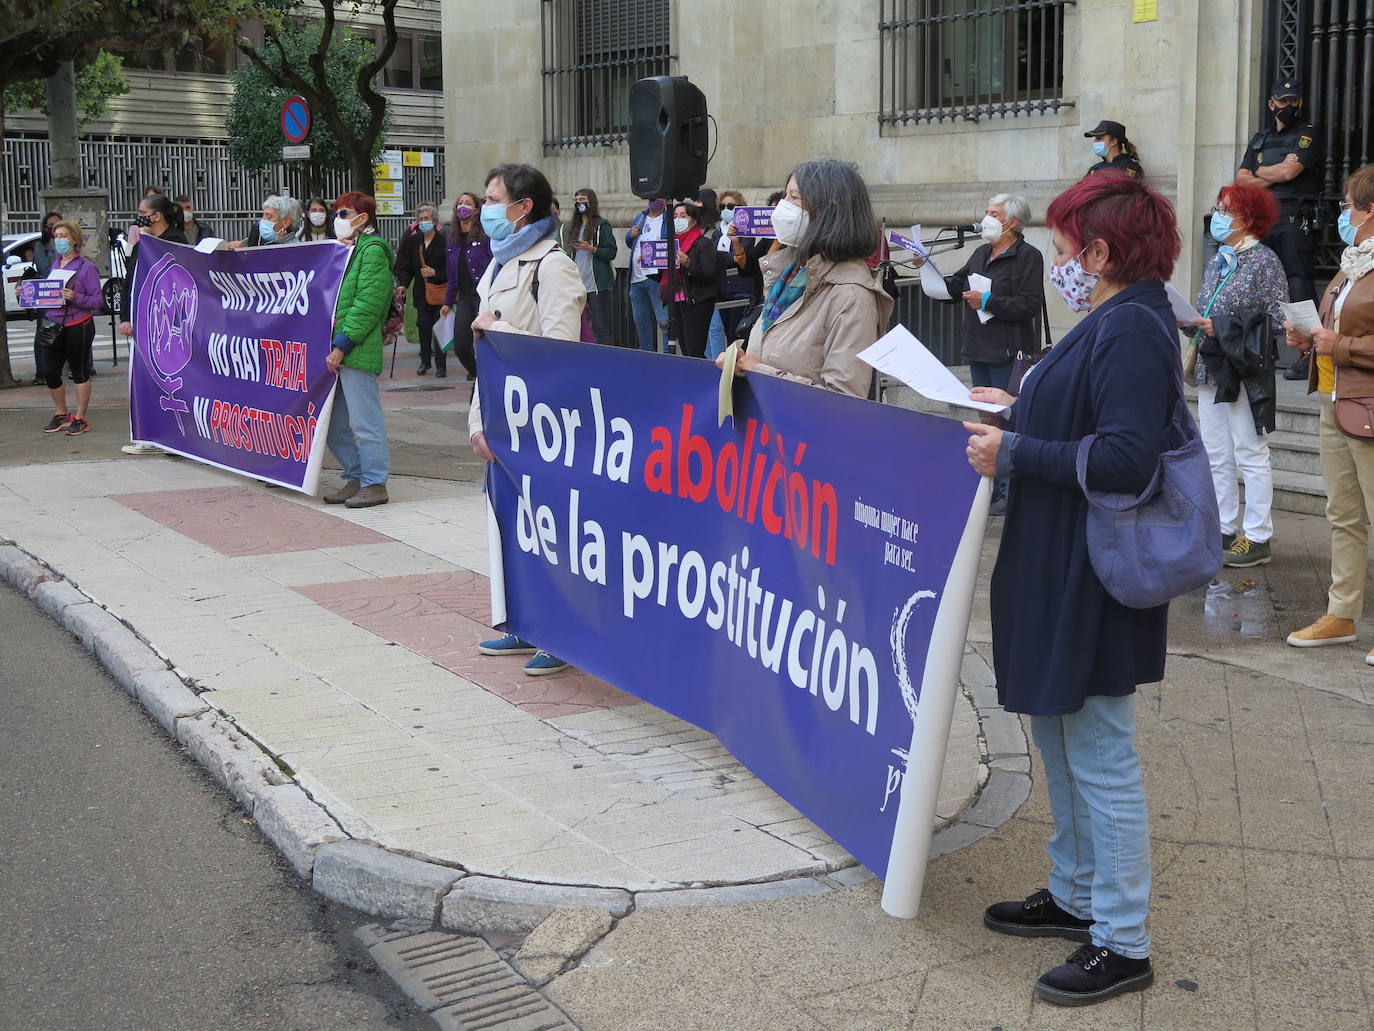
{"points": [[1329, 46]]}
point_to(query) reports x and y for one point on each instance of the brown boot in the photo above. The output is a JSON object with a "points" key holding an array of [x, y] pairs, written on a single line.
{"points": [[1327, 630], [372, 494], [349, 488]]}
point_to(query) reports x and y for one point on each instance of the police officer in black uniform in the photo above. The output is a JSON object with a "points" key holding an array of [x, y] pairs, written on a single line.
{"points": [[1116, 153], [1287, 161]]}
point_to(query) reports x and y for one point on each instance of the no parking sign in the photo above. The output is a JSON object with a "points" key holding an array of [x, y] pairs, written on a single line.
{"points": [[295, 119]]}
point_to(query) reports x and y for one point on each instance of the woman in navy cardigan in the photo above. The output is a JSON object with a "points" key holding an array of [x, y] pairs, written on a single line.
{"points": [[1066, 653]]}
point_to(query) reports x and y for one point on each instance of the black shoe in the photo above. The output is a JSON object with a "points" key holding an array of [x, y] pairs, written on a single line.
{"points": [[1094, 974], [1037, 917], [1298, 370], [441, 373], [423, 370]]}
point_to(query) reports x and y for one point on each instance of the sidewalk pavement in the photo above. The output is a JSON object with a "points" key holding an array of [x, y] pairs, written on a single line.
{"points": [[341, 642]]}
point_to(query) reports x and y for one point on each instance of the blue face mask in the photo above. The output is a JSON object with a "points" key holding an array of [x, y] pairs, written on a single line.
{"points": [[1100, 148], [267, 231], [427, 227], [63, 246], [1221, 227], [494, 221], [1346, 230]]}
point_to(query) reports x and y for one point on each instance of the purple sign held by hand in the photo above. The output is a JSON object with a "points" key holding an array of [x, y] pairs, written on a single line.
{"points": [[653, 254], [754, 222], [40, 293]]}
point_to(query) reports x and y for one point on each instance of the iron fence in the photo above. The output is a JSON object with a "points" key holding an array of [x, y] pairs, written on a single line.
{"points": [[965, 60], [592, 52]]}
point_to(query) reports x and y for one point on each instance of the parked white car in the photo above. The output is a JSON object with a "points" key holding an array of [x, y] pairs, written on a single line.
{"points": [[16, 260]]}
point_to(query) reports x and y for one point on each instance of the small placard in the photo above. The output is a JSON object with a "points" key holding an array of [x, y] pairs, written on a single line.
{"points": [[411, 158], [754, 222], [653, 254], [1146, 10], [388, 170], [387, 188], [39, 293], [297, 152], [390, 207]]}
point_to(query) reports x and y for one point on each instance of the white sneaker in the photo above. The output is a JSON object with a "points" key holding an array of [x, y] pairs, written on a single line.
{"points": [[142, 449]]}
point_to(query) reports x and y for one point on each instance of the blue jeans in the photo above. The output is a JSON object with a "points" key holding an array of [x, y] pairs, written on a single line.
{"points": [[650, 314], [357, 432], [986, 374], [1100, 849], [715, 342]]}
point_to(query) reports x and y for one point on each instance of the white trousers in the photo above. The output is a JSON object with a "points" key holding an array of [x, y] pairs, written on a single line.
{"points": [[1233, 446]]}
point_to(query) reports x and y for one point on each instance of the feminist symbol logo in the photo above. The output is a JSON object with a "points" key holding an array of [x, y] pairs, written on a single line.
{"points": [[910, 692], [168, 314]]}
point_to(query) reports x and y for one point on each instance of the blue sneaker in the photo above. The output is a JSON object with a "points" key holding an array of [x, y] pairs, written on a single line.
{"points": [[543, 663], [507, 645]]}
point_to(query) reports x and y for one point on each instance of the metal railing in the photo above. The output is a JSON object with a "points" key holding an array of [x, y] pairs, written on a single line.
{"points": [[592, 52], [969, 59]]}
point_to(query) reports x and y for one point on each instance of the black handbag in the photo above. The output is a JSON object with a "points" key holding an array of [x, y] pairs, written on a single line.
{"points": [[1023, 363], [48, 331]]}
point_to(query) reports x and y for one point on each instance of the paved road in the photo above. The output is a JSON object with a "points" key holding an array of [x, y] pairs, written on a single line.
{"points": [[136, 894]]}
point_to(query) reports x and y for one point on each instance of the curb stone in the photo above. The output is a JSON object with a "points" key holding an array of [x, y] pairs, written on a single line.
{"points": [[382, 883]]}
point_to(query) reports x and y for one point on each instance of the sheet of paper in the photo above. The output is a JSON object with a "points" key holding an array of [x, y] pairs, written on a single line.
{"points": [[443, 331], [916, 236], [982, 284], [1183, 310], [208, 244], [725, 403], [1302, 315], [901, 355], [932, 282], [62, 275]]}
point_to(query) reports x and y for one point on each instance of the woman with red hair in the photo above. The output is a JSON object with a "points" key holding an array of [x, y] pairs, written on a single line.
{"points": [[1066, 652], [1239, 300]]}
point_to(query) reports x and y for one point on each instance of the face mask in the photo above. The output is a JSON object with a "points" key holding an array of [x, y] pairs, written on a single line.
{"points": [[656, 207], [427, 226], [680, 225], [990, 228], [464, 212], [1221, 227], [63, 246], [1074, 282], [582, 206], [142, 221], [494, 221], [188, 216], [1288, 115], [343, 228], [267, 231], [1347, 231], [317, 218], [1100, 148], [790, 222]]}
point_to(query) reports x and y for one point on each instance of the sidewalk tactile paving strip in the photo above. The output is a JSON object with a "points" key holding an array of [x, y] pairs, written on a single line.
{"points": [[239, 521], [462, 981]]}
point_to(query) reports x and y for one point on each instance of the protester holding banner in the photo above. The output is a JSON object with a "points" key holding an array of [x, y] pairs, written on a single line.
{"points": [[695, 282], [319, 222], [1066, 653], [822, 304], [593, 249], [531, 287], [467, 258], [75, 320], [646, 305], [357, 430], [421, 259]]}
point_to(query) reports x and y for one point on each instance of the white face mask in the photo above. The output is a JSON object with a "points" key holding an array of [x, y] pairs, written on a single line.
{"points": [[343, 228], [317, 218], [790, 222], [991, 229], [680, 225]]}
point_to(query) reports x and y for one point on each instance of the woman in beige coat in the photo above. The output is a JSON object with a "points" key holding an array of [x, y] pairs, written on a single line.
{"points": [[822, 304]]}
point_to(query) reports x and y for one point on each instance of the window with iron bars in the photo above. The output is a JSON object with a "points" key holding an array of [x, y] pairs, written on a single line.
{"points": [[965, 60], [593, 51]]}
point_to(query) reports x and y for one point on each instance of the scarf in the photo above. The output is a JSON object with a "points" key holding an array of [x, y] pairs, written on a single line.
{"points": [[785, 292], [520, 241], [1358, 260], [1226, 256]]}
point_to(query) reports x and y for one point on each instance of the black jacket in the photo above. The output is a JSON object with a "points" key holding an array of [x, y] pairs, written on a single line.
{"points": [[1018, 295], [698, 277], [407, 267], [1242, 354], [172, 235]]}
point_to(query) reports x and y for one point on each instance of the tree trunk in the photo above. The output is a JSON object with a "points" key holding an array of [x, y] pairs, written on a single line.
{"points": [[360, 167], [6, 373], [62, 128]]}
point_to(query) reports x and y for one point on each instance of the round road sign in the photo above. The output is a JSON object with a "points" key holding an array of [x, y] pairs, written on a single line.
{"points": [[295, 119]]}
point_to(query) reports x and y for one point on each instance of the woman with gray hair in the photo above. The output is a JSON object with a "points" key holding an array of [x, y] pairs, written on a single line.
{"points": [[280, 222], [822, 304]]}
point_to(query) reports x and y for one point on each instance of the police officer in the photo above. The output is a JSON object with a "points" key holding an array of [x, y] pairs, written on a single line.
{"points": [[1115, 152], [1287, 161]]}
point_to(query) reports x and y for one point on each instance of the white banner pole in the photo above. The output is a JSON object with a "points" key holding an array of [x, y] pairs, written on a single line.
{"points": [[920, 791]]}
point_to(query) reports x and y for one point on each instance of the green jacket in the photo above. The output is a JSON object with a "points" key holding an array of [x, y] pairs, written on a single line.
{"points": [[365, 302], [606, 250]]}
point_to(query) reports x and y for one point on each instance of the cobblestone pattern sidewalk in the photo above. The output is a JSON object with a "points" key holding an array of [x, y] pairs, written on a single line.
{"points": [[342, 641]]}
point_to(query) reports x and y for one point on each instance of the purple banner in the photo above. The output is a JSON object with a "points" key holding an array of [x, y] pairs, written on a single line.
{"points": [[40, 293], [653, 254], [754, 222], [229, 354]]}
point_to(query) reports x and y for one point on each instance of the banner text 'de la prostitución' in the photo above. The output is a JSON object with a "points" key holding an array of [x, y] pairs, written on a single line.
{"points": [[773, 580], [228, 365]]}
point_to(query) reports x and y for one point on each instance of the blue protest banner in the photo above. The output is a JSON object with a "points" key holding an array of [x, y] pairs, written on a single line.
{"points": [[774, 580]]}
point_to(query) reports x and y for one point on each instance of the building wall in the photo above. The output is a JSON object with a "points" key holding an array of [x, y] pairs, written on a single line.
{"points": [[787, 84]]}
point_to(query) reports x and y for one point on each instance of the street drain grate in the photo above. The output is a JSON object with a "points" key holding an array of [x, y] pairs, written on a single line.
{"points": [[463, 983]]}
